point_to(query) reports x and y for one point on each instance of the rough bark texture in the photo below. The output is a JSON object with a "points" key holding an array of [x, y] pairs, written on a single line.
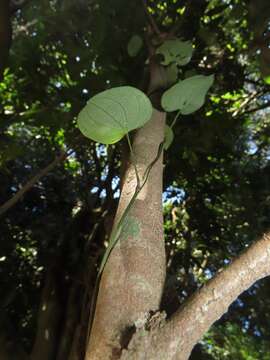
{"points": [[174, 339], [130, 287]]}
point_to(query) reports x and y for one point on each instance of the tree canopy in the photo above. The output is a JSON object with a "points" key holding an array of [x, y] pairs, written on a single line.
{"points": [[216, 197]]}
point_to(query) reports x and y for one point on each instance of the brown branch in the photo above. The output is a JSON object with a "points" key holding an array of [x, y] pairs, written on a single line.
{"points": [[247, 102], [176, 339], [150, 18], [262, 107], [15, 198]]}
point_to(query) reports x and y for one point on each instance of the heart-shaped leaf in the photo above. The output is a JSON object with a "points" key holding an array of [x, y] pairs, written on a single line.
{"points": [[134, 45], [111, 114], [188, 95], [175, 51]]}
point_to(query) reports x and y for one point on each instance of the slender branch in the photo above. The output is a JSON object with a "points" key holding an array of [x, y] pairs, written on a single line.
{"points": [[15, 198], [263, 106], [150, 18], [246, 102]]}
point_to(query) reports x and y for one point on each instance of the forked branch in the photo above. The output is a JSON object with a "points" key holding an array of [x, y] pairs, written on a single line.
{"points": [[176, 339]]}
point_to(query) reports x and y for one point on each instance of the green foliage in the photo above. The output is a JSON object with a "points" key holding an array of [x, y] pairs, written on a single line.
{"points": [[111, 114], [230, 342], [134, 45], [168, 137], [267, 80], [216, 177], [188, 95], [175, 51]]}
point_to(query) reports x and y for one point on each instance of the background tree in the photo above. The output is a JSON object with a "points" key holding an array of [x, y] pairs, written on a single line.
{"points": [[216, 176]]}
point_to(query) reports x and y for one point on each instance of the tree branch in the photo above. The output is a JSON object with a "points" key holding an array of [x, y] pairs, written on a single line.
{"points": [[262, 107], [246, 102], [212, 301], [15, 198], [176, 339]]}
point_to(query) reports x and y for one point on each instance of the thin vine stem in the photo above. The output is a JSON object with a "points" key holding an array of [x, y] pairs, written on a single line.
{"points": [[133, 160], [174, 120]]}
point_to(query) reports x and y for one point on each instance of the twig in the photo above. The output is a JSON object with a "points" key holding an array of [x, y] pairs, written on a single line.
{"points": [[246, 102], [19, 194], [264, 106]]}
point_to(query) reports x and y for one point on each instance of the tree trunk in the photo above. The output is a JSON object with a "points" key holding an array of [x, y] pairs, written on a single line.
{"points": [[133, 278], [69, 323], [49, 316]]}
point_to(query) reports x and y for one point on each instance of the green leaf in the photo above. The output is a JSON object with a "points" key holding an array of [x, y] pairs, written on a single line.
{"points": [[111, 114], [187, 95], [168, 137], [134, 45], [267, 80], [171, 73], [175, 51]]}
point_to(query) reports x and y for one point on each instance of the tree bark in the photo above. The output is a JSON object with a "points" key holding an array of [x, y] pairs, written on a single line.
{"points": [[133, 278], [175, 339], [50, 313], [70, 323]]}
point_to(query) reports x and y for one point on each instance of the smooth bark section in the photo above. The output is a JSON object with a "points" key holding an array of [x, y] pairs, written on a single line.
{"points": [[48, 325], [69, 324], [19, 194], [130, 287], [176, 339]]}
